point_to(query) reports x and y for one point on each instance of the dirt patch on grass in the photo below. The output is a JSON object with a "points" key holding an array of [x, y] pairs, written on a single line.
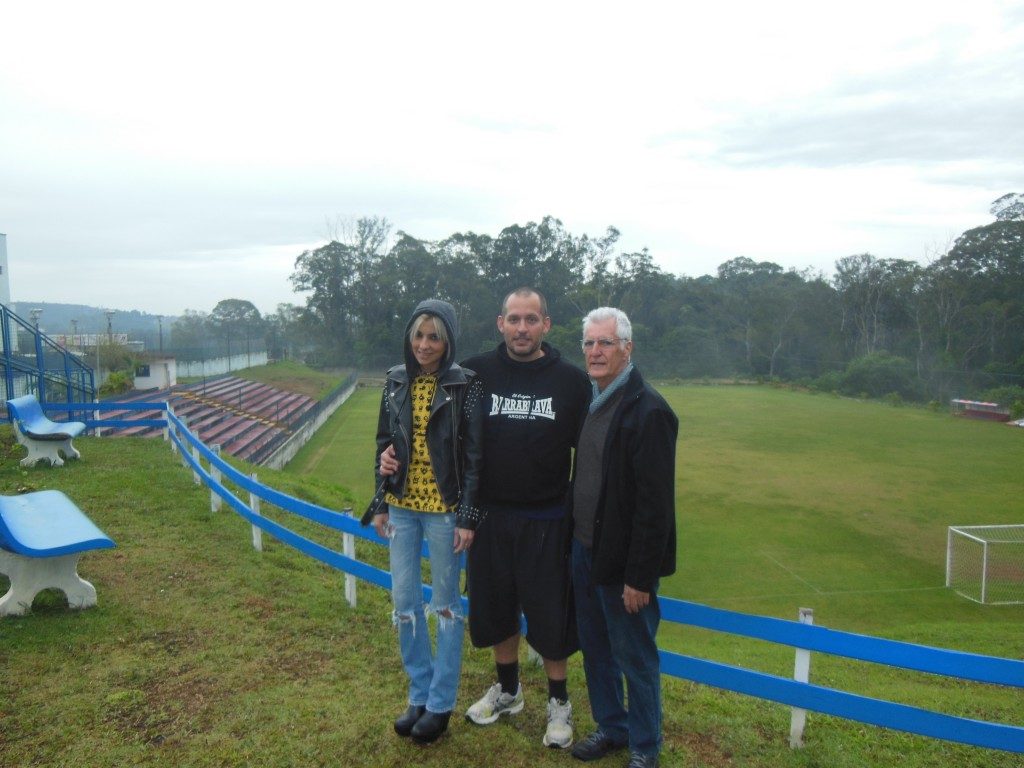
{"points": [[169, 708], [702, 746], [301, 664]]}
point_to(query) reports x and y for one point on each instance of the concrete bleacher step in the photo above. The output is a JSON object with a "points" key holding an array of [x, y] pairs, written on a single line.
{"points": [[243, 417], [246, 444]]}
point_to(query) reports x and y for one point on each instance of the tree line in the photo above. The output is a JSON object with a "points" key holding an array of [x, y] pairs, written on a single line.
{"points": [[879, 327]]}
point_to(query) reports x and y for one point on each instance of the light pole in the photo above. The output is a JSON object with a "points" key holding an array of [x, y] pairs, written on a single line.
{"points": [[35, 313], [110, 331], [74, 333], [160, 323]]}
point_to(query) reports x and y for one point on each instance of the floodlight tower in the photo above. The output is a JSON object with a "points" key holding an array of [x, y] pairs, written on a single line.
{"points": [[5, 286], [5, 281]]}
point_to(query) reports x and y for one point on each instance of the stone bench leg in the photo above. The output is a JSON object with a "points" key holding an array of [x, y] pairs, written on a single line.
{"points": [[31, 575], [49, 450]]}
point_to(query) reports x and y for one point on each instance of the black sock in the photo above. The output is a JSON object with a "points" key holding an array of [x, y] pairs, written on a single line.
{"points": [[508, 676], [558, 689]]}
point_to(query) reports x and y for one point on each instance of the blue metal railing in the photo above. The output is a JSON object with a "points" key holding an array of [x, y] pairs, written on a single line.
{"points": [[33, 363], [965, 666]]}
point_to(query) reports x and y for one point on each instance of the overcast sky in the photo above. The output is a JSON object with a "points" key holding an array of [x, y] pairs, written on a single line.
{"points": [[166, 156]]}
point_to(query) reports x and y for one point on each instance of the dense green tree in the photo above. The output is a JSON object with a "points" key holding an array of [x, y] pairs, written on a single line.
{"points": [[190, 330], [955, 325], [286, 332], [236, 320], [1009, 207]]}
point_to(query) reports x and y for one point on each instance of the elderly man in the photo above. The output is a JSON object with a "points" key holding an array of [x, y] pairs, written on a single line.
{"points": [[624, 540]]}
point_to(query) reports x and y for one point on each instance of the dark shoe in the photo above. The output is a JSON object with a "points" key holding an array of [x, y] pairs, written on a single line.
{"points": [[637, 760], [405, 722], [595, 746], [430, 727]]}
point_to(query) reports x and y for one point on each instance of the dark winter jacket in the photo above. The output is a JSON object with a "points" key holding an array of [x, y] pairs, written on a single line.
{"points": [[454, 428], [635, 522]]}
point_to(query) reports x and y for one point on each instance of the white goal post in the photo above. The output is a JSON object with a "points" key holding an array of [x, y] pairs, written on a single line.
{"points": [[985, 563]]}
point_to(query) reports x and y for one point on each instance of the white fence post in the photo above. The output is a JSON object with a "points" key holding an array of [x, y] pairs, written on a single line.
{"points": [[167, 423], [169, 432], [254, 505], [801, 673], [184, 424], [195, 473], [215, 499], [348, 548]]}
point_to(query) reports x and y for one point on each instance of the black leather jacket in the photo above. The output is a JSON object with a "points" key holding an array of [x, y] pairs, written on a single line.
{"points": [[454, 436]]}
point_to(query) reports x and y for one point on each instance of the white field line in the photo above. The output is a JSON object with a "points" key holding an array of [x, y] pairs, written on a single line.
{"points": [[791, 573], [718, 601]]}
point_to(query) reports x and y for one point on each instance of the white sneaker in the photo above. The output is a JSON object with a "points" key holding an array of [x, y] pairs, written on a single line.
{"points": [[494, 704], [559, 732]]}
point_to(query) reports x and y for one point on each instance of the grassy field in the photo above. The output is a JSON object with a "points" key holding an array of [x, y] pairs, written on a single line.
{"points": [[204, 652]]}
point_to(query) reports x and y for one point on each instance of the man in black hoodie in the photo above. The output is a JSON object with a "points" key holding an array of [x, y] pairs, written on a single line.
{"points": [[534, 406]]}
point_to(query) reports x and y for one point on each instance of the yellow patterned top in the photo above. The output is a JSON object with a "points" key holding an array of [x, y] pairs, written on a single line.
{"points": [[421, 492]]}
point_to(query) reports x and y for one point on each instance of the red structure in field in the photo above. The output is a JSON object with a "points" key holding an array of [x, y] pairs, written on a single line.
{"points": [[975, 409]]}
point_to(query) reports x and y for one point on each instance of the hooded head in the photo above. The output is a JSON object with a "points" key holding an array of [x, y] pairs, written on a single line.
{"points": [[443, 315]]}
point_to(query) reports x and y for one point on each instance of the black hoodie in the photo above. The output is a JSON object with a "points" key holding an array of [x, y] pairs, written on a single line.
{"points": [[533, 411]]}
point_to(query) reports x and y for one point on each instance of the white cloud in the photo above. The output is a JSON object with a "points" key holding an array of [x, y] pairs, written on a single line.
{"points": [[168, 157]]}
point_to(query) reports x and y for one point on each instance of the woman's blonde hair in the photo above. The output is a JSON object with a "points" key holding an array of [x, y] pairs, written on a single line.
{"points": [[439, 329]]}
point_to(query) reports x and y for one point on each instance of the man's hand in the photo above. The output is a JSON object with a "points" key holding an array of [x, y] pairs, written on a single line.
{"points": [[388, 463], [634, 599]]}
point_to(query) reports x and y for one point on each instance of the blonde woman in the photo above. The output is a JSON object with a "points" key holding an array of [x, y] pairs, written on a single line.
{"points": [[430, 423]]}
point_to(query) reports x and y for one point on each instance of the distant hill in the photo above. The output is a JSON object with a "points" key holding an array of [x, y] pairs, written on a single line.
{"points": [[57, 319]]}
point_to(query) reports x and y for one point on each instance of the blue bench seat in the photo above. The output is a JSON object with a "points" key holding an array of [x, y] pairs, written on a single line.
{"points": [[44, 439], [42, 537]]}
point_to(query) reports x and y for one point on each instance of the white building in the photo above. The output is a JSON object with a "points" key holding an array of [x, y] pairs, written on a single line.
{"points": [[158, 373]]}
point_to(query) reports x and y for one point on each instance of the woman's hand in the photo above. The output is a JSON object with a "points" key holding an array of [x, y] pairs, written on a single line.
{"points": [[463, 538], [381, 524], [388, 463]]}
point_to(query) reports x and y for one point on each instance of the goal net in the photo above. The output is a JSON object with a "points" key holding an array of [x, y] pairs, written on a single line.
{"points": [[985, 563]]}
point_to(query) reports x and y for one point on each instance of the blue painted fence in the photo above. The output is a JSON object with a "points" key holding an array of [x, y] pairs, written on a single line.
{"points": [[965, 666]]}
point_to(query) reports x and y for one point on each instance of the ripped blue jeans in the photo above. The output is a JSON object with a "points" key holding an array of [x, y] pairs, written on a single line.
{"points": [[433, 678]]}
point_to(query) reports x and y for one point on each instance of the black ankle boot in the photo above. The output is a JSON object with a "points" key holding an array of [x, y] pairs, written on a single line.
{"points": [[429, 727], [405, 721]]}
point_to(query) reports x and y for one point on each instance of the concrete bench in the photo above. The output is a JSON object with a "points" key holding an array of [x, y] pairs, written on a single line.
{"points": [[42, 537], [43, 438]]}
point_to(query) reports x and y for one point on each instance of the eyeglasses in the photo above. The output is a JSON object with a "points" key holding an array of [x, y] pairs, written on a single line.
{"points": [[588, 344]]}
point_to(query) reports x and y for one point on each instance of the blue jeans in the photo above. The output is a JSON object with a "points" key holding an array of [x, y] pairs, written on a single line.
{"points": [[617, 644], [433, 680]]}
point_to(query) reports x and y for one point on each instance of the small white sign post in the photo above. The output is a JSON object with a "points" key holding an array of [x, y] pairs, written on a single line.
{"points": [[801, 673], [254, 505]]}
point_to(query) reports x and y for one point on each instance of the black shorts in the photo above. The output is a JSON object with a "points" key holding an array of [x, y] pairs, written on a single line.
{"points": [[519, 565]]}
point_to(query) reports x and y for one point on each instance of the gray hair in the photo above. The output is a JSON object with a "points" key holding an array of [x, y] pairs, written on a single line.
{"points": [[623, 328]]}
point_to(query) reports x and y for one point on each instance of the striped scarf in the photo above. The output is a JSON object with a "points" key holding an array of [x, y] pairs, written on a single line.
{"points": [[600, 398]]}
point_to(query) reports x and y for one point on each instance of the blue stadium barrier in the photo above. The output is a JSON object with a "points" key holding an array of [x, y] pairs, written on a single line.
{"points": [[902, 717]]}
